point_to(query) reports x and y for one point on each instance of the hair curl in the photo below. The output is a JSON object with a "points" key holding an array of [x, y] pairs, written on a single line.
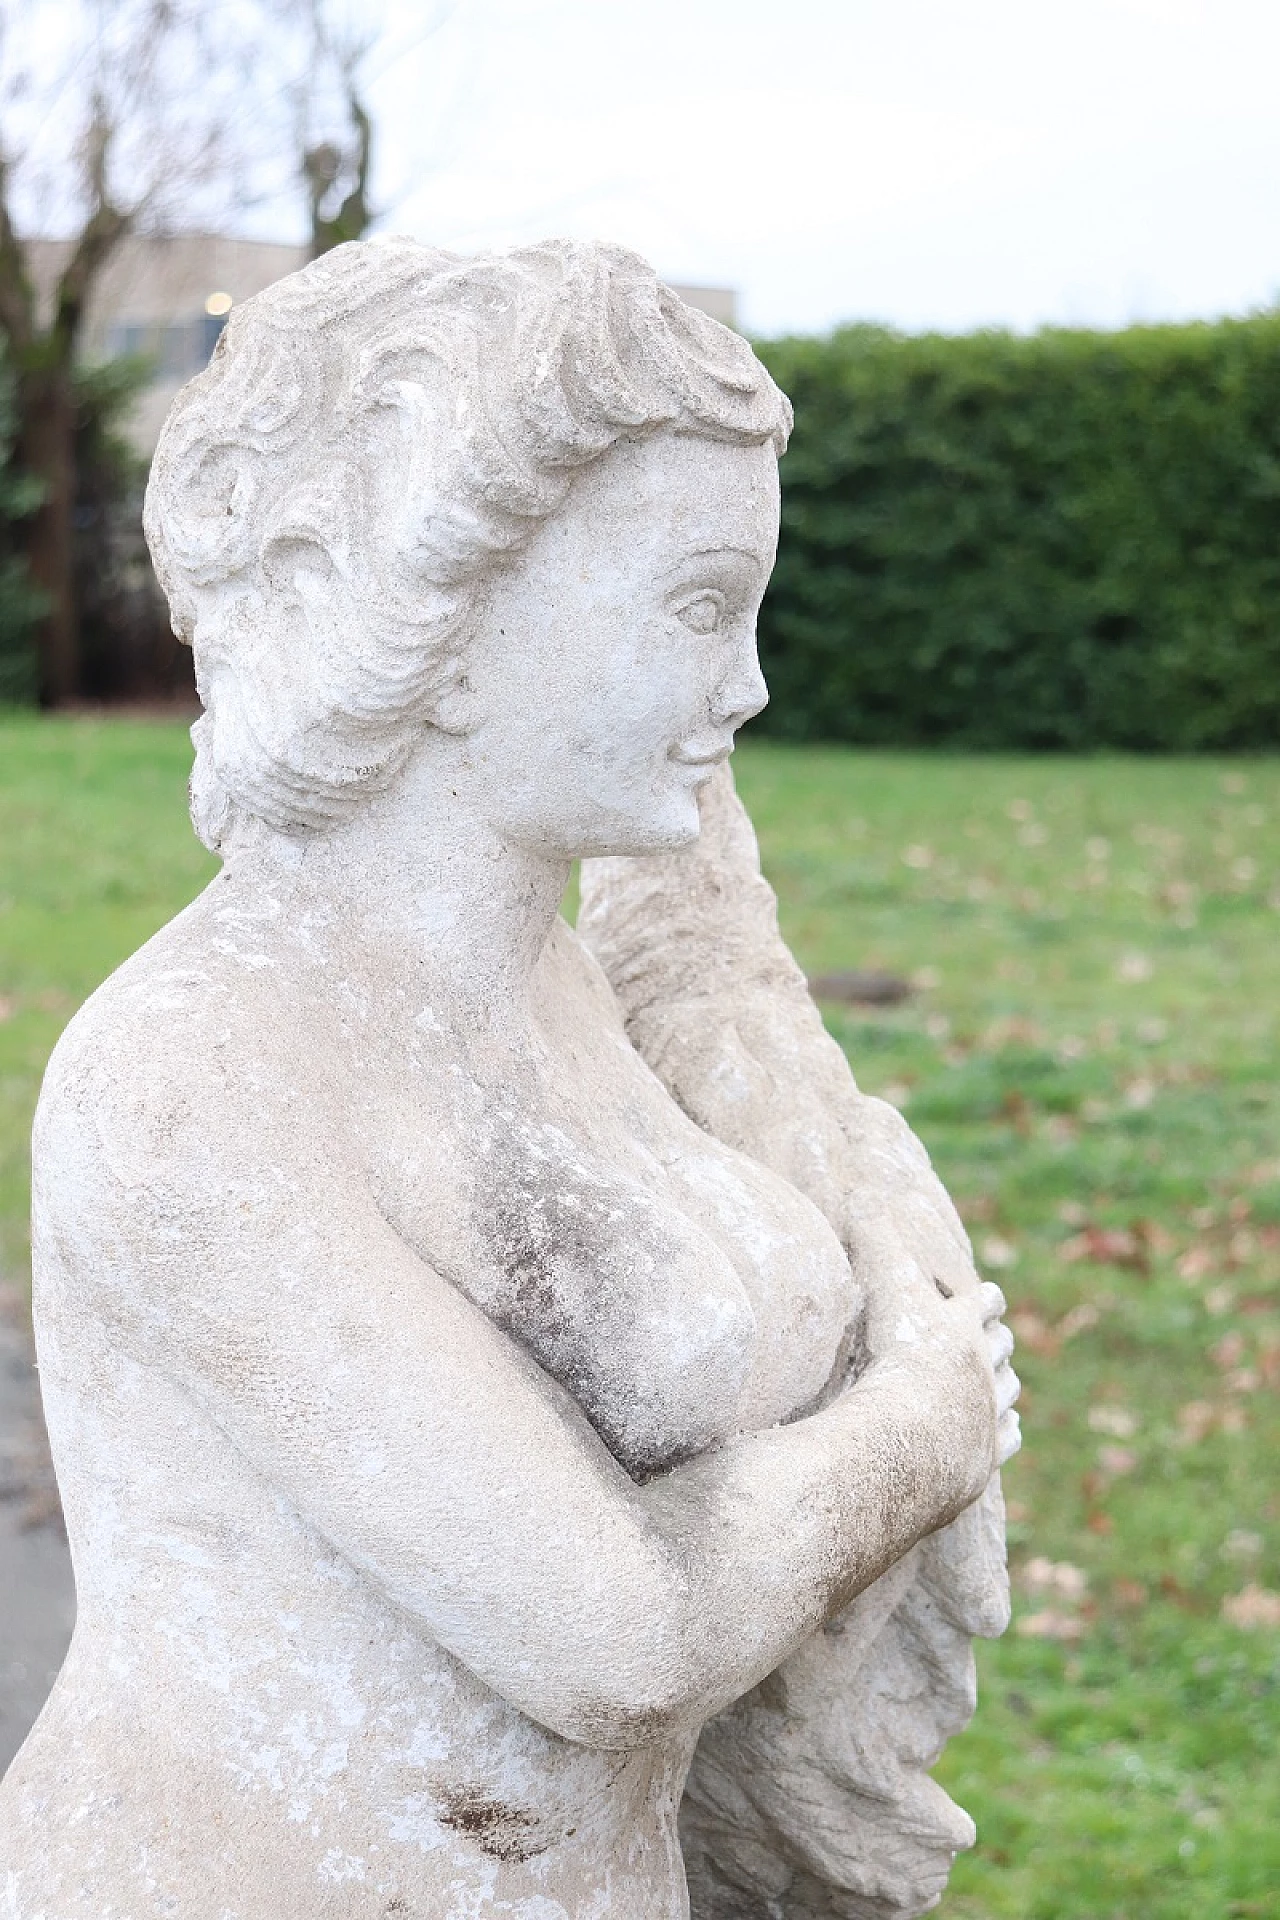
{"points": [[370, 435]]}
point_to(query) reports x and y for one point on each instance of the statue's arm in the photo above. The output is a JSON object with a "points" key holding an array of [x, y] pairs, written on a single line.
{"points": [[230, 1253], [811, 1794]]}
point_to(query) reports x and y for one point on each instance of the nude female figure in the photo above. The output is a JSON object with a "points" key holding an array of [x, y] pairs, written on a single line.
{"points": [[448, 1424]]}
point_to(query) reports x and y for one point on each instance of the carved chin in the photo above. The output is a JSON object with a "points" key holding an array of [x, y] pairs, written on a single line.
{"points": [[672, 824]]}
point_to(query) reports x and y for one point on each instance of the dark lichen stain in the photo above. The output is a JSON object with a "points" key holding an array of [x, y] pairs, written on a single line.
{"points": [[526, 1245], [506, 1833], [772, 1693]]}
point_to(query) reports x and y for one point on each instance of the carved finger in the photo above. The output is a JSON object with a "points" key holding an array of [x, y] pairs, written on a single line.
{"points": [[993, 1301], [1008, 1437], [1008, 1387]]}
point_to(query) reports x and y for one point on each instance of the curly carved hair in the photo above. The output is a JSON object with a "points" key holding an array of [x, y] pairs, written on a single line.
{"points": [[371, 434]]}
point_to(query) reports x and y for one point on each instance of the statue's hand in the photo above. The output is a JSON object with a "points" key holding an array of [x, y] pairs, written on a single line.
{"points": [[946, 1334], [1008, 1386]]}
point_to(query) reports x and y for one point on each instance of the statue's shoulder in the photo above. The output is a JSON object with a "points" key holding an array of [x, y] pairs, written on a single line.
{"points": [[170, 1054]]}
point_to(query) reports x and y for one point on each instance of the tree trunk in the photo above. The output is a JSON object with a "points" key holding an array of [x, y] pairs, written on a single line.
{"points": [[46, 450]]}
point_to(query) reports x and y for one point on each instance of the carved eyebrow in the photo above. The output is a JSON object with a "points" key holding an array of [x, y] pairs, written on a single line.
{"points": [[719, 547], [717, 552]]}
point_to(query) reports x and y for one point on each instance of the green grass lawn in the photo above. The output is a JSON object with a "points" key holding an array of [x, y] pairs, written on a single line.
{"points": [[1092, 1055]]}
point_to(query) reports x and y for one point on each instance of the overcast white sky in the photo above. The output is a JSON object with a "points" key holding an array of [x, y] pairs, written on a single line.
{"points": [[931, 163]]}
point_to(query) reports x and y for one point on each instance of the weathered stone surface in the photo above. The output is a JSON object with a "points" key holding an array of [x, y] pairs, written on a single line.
{"points": [[484, 1378], [37, 1598], [810, 1796]]}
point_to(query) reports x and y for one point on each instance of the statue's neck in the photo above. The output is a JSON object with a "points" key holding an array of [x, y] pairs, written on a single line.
{"points": [[416, 885]]}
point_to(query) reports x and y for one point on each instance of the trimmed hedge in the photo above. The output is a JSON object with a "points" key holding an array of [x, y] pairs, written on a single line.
{"points": [[1069, 540]]}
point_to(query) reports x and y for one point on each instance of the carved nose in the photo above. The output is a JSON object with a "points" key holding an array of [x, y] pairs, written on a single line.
{"points": [[742, 695]]}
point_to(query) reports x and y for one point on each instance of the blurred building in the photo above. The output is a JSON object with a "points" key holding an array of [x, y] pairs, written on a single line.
{"points": [[170, 297]]}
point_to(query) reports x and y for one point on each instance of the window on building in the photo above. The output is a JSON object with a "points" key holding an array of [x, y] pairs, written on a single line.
{"points": [[178, 348]]}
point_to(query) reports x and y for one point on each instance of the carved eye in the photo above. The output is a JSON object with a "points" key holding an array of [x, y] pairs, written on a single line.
{"points": [[701, 612]]}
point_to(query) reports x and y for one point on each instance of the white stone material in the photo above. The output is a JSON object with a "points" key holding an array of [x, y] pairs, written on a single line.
{"points": [[505, 1383]]}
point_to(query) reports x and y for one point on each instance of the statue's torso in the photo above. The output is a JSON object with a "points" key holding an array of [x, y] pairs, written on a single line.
{"points": [[265, 1698], [680, 1291]]}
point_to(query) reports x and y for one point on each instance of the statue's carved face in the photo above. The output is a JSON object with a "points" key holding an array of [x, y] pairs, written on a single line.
{"points": [[616, 656]]}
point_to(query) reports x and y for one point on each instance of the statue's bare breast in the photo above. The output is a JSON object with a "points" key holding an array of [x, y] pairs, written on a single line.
{"points": [[678, 1290]]}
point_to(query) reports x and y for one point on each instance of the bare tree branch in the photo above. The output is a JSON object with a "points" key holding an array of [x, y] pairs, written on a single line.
{"points": [[17, 294], [115, 116], [148, 117]]}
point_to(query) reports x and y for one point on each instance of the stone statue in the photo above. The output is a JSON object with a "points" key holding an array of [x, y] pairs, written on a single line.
{"points": [[520, 1411]]}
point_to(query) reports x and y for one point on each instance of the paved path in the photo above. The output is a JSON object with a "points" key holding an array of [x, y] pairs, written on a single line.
{"points": [[37, 1598]]}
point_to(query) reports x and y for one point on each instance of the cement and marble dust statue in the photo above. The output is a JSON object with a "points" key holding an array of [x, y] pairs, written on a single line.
{"points": [[527, 1424]]}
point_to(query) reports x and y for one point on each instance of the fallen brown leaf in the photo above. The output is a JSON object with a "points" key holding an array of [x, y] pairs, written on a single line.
{"points": [[1117, 1421], [1078, 1320], [1174, 1590], [1049, 1624], [1196, 1262], [1252, 1608], [1041, 1575], [1107, 1247], [1032, 1333], [1196, 1420]]}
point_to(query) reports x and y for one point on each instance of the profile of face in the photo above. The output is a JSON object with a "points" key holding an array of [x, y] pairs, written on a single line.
{"points": [[615, 657]]}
